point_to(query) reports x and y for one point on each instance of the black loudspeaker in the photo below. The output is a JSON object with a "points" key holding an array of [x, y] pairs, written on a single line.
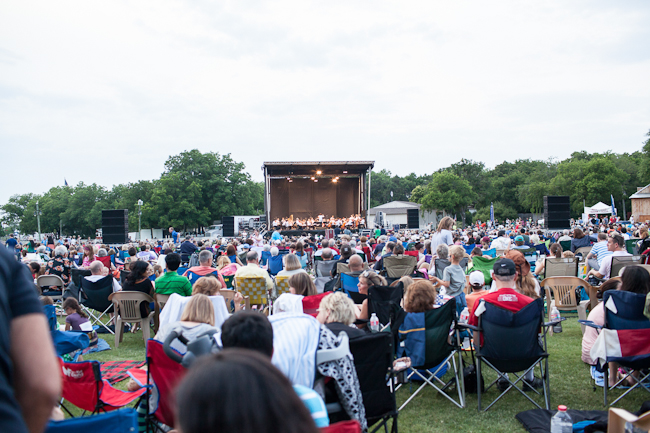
{"points": [[412, 218], [115, 226], [228, 226], [557, 212]]}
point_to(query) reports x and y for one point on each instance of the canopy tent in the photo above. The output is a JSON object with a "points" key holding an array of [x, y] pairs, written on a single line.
{"points": [[598, 208]]}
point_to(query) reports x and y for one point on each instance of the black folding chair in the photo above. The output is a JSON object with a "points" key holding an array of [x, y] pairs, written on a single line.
{"points": [[426, 341], [77, 274], [511, 343], [94, 296], [381, 300]]}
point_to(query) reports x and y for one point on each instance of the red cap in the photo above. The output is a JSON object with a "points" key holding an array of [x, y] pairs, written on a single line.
{"points": [[561, 408]]}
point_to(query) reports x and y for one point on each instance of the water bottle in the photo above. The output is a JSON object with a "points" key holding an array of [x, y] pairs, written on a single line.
{"points": [[555, 315], [464, 315], [561, 421], [374, 323]]}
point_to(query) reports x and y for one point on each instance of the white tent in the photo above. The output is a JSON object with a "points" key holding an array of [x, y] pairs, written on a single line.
{"points": [[598, 208]]}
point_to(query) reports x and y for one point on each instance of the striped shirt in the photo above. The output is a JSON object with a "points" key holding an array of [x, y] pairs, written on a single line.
{"points": [[315, 405], [599, 249]]}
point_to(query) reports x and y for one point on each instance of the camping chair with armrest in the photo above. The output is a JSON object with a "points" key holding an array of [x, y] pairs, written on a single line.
{"points": [[65, 341], [84, 387], [254, 288], [122, 420], [159, 303], [106, 261], [492, 253], [619, 262], [349, 284], [95, 296], [281, 285], [562, 267], [344, 268], [76, 275], [275, 264], [425, 339], [483, 264], [373, 362], [229, 280], [510, 343], [311, 303], [229, 297], [441, 265], [631, 246], [54, 283], [397, 266], [368, 252], [264, 258], [382, 300], [323, 268], [127, 310], [583, 252], [566, 245], [624, 339]]}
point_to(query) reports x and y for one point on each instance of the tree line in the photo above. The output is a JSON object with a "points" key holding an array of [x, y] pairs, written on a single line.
{"points": [[520, 186], [194, 190]]}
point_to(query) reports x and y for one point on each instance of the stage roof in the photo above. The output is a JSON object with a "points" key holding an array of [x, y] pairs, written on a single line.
{"points": [[310, 167]]}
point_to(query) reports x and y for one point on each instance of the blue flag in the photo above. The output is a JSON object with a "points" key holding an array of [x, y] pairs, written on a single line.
{"points": [[613, 208], [492, 213], [65, 181]]}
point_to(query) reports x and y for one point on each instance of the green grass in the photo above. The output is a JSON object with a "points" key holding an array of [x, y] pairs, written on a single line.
{"points": [[571, 385]]}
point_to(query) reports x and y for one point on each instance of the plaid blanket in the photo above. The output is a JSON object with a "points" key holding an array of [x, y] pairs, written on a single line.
{"points": [[115, 371]]}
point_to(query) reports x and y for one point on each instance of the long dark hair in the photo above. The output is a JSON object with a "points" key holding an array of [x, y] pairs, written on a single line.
{"points": [[245, 379], [73, 304], [137, 271], [636, 280]]}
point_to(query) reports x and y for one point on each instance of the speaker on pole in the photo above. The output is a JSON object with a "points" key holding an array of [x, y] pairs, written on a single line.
{"points": [[115, 226], [557, 212]]}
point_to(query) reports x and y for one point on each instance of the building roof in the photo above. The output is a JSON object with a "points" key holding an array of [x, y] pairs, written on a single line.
{"points": [[393, 207], [309, 168], [642, 193]]}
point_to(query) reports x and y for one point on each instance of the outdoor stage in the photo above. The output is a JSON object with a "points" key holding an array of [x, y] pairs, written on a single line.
{"points": [[309, 189]]}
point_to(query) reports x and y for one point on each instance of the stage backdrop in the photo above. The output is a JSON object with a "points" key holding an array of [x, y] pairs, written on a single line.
{"points": [[304, 198]]}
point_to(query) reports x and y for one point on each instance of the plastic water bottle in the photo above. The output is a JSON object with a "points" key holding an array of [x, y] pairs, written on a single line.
{"points": [[464, 315], [555, 315], [561, 421], [374, 323]]}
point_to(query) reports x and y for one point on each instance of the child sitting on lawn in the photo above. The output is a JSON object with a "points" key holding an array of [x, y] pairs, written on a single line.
{"points": [[77, 320], [453, 277]]}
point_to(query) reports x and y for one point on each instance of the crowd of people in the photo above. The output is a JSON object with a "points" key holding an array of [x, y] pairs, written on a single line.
{"points": [[203, 268]]}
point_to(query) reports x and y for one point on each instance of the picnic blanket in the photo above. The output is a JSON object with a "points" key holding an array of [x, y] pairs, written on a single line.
{"points": [[116, 371], [99, 347]]}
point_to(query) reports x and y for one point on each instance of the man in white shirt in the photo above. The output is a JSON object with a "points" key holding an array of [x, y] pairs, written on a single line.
{"points": [[502, 242], [565, 236], [99, 271], [615, 244]]}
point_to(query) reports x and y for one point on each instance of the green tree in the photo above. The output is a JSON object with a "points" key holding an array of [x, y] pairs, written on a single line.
{"points": [[14, 210], [501, 213], [447, 192]]}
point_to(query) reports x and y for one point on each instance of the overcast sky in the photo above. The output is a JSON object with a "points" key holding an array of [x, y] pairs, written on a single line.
{"points": [[105, 91]]}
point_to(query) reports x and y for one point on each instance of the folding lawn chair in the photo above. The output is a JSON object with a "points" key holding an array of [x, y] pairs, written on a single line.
{"points": [[281, 285], [441, 264], [425, 339], [229, 297], [95, 296], [228, 279], [625, 339], [84, 387], [562, 292], [118, 421], [64, 341], [275, 264], [311, 303], [163, 374], [484, 265], [383, 299], [510, 343], [349, 286], [254, 288], [76, 275], [562, 267], [323, 268], [619, 262], [54, 285], [398, 266]]}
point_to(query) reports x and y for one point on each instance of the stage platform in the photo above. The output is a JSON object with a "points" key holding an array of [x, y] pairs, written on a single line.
{"points": [[298, 233]]}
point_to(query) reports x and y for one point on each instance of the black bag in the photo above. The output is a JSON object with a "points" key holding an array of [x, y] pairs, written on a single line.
{"points": [[469, 377]]}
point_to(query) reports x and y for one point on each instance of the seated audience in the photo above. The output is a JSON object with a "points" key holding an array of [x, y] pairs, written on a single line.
{"points": [[138, 281], [338, 313], [99, 271], [292, 265], [59, 265], [420, 297], [226, 267], [204, 268], [170, 282], [197, 318], [477, 283], [367, 280]]}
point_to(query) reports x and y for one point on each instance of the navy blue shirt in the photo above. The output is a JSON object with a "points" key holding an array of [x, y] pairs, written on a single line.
{"points": [[17, 298]]}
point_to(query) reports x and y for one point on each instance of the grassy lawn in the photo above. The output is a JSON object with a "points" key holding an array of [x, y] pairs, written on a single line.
{"points": [[570, 385]]}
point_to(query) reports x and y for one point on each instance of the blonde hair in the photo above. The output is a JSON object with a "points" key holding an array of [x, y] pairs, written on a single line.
{"points": [[568, 254], [340, 307], [526, 285], [374, 278], [209, 286], [291, 262], [445, 224], [199, 309], [457, 252], [222, 262]]}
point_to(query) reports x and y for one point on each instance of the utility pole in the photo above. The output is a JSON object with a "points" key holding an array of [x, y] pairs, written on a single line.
{"points": [[38, 220], [60, 228], [140, 202]]}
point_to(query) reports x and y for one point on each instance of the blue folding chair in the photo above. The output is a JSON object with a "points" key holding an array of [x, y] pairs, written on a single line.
{"points": [[266, 255], [469, 248], [627, 333], [349, 284], [64, 341], [275, 264], [119, 421]]}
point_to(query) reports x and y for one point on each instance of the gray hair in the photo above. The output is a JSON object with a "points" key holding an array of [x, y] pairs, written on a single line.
{"points": [[327, 254], [252, 256], [61, 250], [205, 256], [275, 251], [40, 249], [96, 267], [102, 253], [566, 232], [267, 247], [443, 251]]}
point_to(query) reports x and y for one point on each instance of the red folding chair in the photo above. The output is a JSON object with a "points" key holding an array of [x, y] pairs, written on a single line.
{"points": [[83, 387], [415, 254], [165, 374], [368, 252], [310, 304], [351, 426]]}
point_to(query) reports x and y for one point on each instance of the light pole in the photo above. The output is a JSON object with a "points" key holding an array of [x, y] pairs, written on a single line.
{"points": [[37, 214], [139, 218]]}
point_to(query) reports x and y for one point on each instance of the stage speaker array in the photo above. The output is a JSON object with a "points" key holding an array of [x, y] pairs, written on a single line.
{"points": [[412, 218], [557, 212], [115, 226], [228, 223]]}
